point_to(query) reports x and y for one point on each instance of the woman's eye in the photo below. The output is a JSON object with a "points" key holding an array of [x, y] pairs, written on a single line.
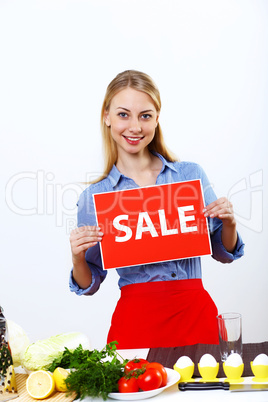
{"points": [[146, 116], [122, 114]]}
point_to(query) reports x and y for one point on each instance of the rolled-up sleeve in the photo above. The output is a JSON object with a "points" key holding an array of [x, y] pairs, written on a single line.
{"points": [[220, 253], [86, 216], [74, 287]]}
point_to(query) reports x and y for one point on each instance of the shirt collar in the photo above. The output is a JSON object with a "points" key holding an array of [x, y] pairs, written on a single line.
{"points": [[169, 164], [114, 175]]}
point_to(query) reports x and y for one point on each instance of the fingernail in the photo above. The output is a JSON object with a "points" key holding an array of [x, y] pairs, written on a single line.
{"points": [[100, 234], [206, 214]]}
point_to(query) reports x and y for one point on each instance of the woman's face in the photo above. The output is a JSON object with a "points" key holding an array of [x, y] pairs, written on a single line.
{"points": [[133, 118]]}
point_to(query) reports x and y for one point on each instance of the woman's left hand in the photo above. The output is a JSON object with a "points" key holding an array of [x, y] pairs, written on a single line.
{"points": [[222, 208]]}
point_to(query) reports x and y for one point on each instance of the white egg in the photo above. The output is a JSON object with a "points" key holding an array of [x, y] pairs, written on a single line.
{"points": [[234, 360], [184, 361], [261, 359], [207, 360]]}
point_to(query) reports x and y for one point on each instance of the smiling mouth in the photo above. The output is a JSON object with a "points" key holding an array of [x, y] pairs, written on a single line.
{"points": [[133, 140]]}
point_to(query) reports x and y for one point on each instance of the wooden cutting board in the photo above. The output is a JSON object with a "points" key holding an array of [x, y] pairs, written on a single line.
{"points": [[25, 397]]}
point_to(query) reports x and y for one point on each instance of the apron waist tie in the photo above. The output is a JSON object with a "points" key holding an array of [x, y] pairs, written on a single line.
{"points": [[161, 286]]}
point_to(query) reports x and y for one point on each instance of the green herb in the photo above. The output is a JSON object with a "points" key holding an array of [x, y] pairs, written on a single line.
{"points": [[96, 372], [73, 359]]}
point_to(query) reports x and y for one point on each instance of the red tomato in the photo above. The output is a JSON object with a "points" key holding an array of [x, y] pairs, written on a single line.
{"points": [[162, 370], [128, 384], [135, 364], [150, 379]]}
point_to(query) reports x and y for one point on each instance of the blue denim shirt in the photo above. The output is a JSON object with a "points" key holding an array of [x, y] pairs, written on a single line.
{"points": [[165, 271]]}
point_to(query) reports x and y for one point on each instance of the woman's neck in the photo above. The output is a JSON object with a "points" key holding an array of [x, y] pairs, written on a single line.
{"points": [[142, 168]]}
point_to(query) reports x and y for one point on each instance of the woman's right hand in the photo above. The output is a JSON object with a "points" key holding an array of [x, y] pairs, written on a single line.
{"points": [[81, 239]]}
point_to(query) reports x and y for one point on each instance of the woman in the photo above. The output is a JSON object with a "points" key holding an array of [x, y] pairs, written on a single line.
{"points": [[161, 304]]}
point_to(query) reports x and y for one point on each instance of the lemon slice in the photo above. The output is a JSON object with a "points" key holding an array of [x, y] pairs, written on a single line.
{"points": [[59, 375], [40, 384]]}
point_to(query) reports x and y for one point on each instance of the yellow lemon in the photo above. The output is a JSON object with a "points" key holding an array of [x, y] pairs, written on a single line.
{"points": [[40, 384], [59, 375]]}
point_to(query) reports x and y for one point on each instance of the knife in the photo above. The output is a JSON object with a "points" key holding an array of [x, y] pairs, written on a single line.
{"points": [[206, 386]]}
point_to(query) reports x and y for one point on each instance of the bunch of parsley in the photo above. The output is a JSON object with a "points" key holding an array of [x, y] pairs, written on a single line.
{"points": [[96, 372]]}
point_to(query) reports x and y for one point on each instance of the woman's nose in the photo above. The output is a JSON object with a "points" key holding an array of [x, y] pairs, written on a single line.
{"points": [[134, 126]]}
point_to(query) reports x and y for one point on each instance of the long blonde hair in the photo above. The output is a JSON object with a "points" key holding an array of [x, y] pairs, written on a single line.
{"points": [[141, 82]]}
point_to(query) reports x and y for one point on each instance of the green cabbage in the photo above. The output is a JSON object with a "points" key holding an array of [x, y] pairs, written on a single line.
{"points": [[18, 341], [40, 355]]}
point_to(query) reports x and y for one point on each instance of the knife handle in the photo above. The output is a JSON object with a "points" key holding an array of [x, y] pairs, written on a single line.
{"points": [[203, 386]]}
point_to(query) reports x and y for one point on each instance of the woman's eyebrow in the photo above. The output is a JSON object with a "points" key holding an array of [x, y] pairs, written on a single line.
{"points": [[127, 110], [120, 107], [148, 110]]}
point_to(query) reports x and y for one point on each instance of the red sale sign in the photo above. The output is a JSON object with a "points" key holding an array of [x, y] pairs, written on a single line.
{"points": [[152, 224]]}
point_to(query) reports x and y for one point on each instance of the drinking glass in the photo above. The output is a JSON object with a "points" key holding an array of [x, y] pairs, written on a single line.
{"points": [[230, 334]]}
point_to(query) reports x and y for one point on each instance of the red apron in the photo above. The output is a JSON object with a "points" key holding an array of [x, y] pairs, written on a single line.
{"points": [[164, 314]]}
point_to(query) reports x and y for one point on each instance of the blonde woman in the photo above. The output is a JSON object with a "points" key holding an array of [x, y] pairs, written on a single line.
{"points": [[161, 304]]}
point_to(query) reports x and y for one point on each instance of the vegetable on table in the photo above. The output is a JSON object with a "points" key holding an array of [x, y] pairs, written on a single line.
{"points": [[128, 384], [150, 379], [40, 355], [144, 376], [135, 364], [96, 372], [18, 341], [162, 370]]}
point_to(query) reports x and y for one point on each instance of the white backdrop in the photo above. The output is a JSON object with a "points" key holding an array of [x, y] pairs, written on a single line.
{"points": [[210, 61]]}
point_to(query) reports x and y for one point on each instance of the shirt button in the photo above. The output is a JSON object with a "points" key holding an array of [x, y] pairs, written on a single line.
{"points": [[173, 275]]}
